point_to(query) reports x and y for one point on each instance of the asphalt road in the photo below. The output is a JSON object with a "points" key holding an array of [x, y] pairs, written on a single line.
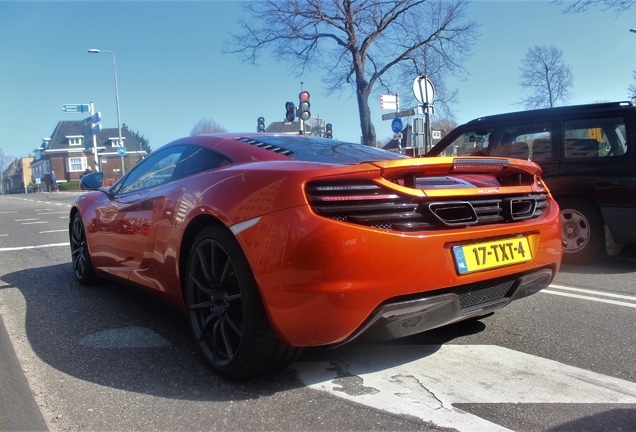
{"points": [[111, 358]]}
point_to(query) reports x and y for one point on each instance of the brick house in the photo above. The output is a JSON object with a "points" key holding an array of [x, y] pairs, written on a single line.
{"points": [[69, 153], [17, 176]]}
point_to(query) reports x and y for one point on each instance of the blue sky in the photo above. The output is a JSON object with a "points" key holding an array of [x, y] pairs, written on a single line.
{"points": [[171, 73]]}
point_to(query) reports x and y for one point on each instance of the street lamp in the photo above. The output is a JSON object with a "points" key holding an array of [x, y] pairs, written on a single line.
{"points": [[121, 143]]}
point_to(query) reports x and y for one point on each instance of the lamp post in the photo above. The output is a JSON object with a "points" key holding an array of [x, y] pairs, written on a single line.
{"points": [[121, 143]]}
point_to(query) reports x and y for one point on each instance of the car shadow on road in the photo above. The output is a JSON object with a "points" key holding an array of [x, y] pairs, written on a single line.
{"points": [[116, 336]]}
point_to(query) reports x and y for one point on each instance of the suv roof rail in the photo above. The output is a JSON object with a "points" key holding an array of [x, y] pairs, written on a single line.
{"points": [[594, 106]]}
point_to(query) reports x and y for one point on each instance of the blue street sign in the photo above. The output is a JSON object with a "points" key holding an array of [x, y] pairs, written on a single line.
{"points": [[75, 108], [121, 151], [397, 125], [94, 130]]}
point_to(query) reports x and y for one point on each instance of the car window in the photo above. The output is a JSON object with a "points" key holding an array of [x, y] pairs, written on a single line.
{"points": [[595, 138], [532, 141], [154, 170], [197, 159], [469, 144]]}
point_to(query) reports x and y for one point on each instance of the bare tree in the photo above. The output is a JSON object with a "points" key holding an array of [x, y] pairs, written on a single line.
{"points": [[444, 124], [582, 5], [207, 126], [632, 89], [545, 77], [357, 44]]}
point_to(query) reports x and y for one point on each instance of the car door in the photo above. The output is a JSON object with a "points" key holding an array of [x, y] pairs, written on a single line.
{"points": [[597, 162], [122, 226]]}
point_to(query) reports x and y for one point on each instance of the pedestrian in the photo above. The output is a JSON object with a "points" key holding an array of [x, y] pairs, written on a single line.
{"points": [[53, 181], [88, 170]]}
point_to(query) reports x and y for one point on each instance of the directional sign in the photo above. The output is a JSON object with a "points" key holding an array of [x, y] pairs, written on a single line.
{"points": [[121, 151], [397, 125], [389, 101], [89, 122], [75, 108], [92, 131], [405, 113]]}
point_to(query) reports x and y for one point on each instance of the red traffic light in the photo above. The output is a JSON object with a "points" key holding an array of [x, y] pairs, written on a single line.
{"points": [[304, 105]]}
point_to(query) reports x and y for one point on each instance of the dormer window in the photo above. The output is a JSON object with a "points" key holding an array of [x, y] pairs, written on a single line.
{"points": [[115, 142], [75, 140]]}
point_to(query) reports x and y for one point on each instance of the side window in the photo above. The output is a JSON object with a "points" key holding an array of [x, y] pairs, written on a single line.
{"points": [[197, 159], [469, 143], [531, 141], [595, 138], [155, 170]]}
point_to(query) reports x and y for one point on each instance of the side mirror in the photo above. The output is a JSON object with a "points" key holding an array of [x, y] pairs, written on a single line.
{"points": [[92, 181]]}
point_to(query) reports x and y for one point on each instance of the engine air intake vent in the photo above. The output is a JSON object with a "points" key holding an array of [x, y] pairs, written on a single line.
{"points": [[265, 146]]}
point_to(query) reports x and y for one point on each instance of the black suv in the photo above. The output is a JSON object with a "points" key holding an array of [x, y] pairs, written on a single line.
{"points": [[589, 164]]}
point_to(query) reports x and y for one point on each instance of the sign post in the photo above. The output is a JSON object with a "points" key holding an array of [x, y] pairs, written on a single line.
{"points": [[424, 92], [121, 151]]}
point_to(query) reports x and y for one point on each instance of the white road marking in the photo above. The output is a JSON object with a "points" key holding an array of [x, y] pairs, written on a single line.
{"points": [[32, 247], [590, 297], [33, 223], [22, 220], [424, 381], [53, 231], [52, 212], [12, 211], [594, 292]]}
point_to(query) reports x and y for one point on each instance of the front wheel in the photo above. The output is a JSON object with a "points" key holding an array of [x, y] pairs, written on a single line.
{"points": [[583, 235], [226, 312]]}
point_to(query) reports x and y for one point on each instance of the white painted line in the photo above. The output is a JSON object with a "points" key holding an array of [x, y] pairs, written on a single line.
{"points": [[425, 381], [22, 220], [595, 299], [43, 210], [33, 223], [32, 247], [12, 211], [3, 235], [52, 212], [594, 292], [53, 231]]}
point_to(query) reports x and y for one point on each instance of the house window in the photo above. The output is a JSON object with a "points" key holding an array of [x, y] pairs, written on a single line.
{"points": [[104, 159], [75, 140], [47, 167], [76, 164], [115, 142]]}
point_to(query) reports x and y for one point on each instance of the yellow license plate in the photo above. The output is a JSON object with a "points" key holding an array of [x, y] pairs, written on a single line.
{"points": [[492, 254]]}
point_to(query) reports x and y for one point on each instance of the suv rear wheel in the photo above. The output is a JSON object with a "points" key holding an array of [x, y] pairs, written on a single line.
{"points": [[582, 226]]}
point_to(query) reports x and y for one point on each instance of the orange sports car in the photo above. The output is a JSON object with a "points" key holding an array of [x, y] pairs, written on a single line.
{"points": [[271, 243]]}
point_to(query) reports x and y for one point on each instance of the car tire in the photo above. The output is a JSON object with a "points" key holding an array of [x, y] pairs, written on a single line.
{"points": [[226, 312], [583, 235], [80, 256]]}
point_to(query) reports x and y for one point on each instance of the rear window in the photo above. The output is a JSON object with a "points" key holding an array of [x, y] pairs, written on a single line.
{"points": [[313, 149]]}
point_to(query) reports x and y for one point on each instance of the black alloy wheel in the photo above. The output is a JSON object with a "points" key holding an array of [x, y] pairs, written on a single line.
{"points": [[226, 311], [80, 257]]}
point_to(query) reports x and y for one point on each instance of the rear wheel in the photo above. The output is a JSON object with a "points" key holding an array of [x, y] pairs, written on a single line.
{"points": [[80, 257], [583, 233], [226, 312]]}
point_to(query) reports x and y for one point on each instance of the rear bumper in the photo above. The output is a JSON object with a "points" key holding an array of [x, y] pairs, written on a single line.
{"points": [[399, 318]]}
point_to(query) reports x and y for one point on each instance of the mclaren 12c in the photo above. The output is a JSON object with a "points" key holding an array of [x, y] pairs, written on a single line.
{"points": [[271, 243]]}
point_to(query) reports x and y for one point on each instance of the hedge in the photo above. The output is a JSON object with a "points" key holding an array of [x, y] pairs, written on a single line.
{"points": [[70, 185]]}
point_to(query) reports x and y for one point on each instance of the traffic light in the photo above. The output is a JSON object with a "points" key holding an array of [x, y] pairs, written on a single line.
{"points": [[261, 125], [328, 131], [303, 108], [289, 114]]}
